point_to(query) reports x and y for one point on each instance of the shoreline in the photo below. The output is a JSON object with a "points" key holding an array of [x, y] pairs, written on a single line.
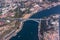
{"points": [[22, 24], [13, 34]]}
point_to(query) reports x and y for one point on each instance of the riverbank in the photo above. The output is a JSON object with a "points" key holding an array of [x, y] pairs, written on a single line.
{"points": [[45, 13], [26, 17]]}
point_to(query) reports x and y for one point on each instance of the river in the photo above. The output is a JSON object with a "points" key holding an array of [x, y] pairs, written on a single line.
{"points": [[30, 28]]}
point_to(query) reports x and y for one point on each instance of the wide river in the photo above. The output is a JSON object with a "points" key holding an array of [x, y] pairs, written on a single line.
{"points": [[30, 27]]}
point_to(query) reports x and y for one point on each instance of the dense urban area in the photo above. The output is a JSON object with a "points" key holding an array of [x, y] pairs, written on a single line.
{"points": [[14, 12]]}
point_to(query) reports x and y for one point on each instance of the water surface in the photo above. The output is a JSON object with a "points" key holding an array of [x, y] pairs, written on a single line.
{"points": [[30, 28], [29, 31]]}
